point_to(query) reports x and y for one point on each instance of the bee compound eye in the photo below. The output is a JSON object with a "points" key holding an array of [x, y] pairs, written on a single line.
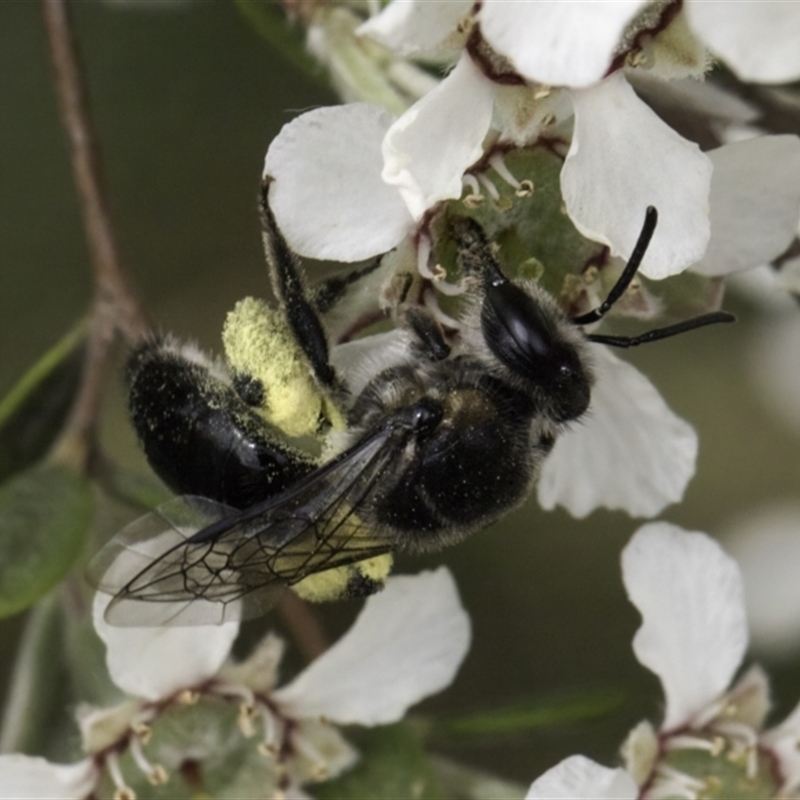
{"points": [[424, 416]]}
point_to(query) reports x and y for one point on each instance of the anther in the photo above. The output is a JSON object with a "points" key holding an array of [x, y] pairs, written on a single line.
{"points": [[437, 274], [142, 731], [472, 201], [188, 697], [245, 720], [525, 188]]}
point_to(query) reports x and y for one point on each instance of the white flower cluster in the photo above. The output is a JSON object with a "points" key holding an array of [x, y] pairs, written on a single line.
{"points": [[693, 637], [356, 182], [407, 643], [353, 182]]}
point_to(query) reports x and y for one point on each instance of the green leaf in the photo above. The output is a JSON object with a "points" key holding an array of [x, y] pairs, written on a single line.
{"points": [[530, 715], [44, 518], [393, 764], [268, 20], [32, 414]]}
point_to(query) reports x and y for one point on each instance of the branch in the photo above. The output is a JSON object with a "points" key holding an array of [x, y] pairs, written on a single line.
{"points": [[304, 625], [115, 307]]}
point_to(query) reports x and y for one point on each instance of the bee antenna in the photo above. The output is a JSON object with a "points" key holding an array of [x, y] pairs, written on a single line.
{"points": [[646, 234], [662, 333]]}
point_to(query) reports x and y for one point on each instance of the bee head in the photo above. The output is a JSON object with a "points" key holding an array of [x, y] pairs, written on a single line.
{"points": [[532, 340]]}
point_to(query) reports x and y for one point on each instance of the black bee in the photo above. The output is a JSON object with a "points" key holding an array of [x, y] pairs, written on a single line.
{"points": [[442, 440]]}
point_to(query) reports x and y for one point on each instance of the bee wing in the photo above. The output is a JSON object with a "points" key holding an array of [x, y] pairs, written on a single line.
{"points": [[193, 561]]}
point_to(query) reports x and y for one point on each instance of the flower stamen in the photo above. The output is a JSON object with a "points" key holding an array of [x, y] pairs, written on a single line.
{"points": [[156, 774], [487, 184], [474, 198], [270, 746], [319, 769], [436, 275], [122, 791], [430, 302], [188, 697]]}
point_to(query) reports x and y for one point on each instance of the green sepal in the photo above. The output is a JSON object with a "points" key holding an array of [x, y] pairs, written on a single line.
{"points": [[45, 514], [33, 412], [393, 764]]}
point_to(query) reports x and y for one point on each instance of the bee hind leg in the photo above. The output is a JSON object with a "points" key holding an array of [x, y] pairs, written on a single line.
{"points": [[198, 435]]}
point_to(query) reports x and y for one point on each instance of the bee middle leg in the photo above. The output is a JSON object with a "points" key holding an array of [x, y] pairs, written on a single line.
{"points": [[289, 286]]}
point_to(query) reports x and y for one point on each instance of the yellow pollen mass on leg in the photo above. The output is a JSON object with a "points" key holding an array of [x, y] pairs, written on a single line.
{"points": [[259, 344], [332, 584]]}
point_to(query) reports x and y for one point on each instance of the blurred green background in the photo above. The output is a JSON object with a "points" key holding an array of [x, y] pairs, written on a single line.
{"points": [[186, 99]]}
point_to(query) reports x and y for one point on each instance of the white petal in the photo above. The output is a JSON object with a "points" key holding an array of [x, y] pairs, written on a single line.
{"points": [[154, 663], [755, 203], [630, 426], [417, 27], [33, 778], [428, 149], [560, 44], [758, 39], [694, 632], [580, 778], [766, 544], [407, 643], [623, 158], [328, 197]]}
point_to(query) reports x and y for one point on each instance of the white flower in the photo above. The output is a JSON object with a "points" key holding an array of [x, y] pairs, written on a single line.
{"points": [[406, 644], [694, 632], [655, 450], [574, 44], [693, 637], [621, 157], [629, 425]]}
